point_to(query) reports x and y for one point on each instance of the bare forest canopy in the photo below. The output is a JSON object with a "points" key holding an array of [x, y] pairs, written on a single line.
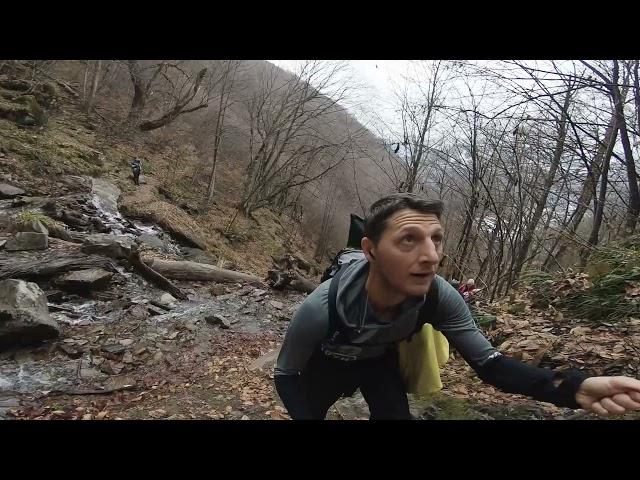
{"points": [[536, 161]]}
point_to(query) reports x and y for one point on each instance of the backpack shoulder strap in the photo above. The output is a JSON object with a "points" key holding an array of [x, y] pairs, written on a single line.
{"points": [[334, 324]]}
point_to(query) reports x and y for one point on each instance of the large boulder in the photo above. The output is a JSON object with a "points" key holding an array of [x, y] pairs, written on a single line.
{"points": [[27, 241], [113, 246], [9, 191], [85, 280], [24, 316]]}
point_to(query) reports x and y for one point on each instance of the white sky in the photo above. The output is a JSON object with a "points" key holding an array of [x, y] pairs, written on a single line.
{"points": [[376, 77]]}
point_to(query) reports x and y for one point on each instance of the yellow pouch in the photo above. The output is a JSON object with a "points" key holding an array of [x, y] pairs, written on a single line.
{"points": [[420, 360]]}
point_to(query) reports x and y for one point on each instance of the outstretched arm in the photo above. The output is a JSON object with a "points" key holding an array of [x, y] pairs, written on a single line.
{"points": [[573, 389]]}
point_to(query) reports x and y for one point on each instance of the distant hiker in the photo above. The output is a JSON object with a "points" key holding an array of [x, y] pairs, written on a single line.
{"points": [[345, 335], [136, 168]]}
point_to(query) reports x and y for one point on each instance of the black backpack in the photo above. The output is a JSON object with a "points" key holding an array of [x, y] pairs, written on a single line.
{"points": [[352, 254]]}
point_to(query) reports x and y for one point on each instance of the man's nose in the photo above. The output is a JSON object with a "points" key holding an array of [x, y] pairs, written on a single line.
{"points": [[429, 252]]}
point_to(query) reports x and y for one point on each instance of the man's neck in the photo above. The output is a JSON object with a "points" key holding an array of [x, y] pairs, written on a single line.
{"points": [[383, 298]]}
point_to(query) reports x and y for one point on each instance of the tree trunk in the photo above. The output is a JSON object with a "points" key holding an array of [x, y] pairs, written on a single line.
{"points": [[50, 264], [185, 270], [153, 276], [548, 182]]}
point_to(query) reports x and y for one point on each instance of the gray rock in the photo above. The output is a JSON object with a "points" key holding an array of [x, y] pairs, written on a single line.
{"points": [[276, 304], [113, 246], [217, 319], [27, 241], [153, 241], [85, 280], [9, 191], [24, 316], [168, 300], [218, 289]]}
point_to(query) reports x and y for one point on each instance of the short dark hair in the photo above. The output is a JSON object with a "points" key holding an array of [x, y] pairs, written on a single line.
{"points": [[376, 220]]}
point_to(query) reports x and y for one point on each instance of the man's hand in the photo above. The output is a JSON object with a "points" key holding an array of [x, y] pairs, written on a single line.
{"points": [[609, 395]]}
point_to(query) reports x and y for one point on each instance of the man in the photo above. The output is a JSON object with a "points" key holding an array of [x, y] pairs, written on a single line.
{"points": [[377, 304], [136, 168]]}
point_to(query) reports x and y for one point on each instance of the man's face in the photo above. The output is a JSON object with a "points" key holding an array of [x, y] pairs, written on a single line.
{"points": [[408, 252]]}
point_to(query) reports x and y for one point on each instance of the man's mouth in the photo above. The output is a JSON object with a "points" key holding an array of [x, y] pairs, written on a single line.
{"points": [[423, 276]]}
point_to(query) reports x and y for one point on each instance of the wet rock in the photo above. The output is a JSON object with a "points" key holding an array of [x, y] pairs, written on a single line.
{"points": [[9, 191], [154, 311], [137, 312], [61, 233], [27, 241], [168, 300], [113, 246], [24, 316], [85, 280], [153, 241], [217, 319]]}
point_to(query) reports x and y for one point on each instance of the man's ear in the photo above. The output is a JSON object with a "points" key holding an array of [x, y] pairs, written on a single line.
{"points": [[368, 248]]}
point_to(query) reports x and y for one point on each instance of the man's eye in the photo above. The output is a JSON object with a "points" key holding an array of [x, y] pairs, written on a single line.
{"points": [[408, 239], [437, 239]]}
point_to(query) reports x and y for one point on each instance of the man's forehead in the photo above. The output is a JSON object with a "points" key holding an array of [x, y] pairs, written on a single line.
{"points": [[407, 217]]}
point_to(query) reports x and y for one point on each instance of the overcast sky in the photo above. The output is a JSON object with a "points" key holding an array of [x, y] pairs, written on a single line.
{"points": [[377, 78]]}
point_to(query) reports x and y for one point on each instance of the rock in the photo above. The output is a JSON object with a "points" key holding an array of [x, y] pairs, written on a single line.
{"points": [[90, 373], [155, 310], [258, 293], [138, 312], [218, 289], [61, 233], [71, 351], [112, 368], [168, 300], [85, 280], [127, 357], [276, 304], [120, 382], [126, 342], [24, 316], [27, 241], [32, 226], [113, 246], [264, 361], [159, 413], [153, 241], [218, 319], [54, 296], [9, 191], [113, 351], [2, 243]]}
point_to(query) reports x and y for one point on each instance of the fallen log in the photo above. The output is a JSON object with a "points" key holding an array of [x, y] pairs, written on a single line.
{"points": [[186, 270], [153, 276], [48, 265]]}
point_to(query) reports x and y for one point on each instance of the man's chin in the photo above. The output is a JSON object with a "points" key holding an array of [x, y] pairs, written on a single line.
{"points": [[420, 289]]}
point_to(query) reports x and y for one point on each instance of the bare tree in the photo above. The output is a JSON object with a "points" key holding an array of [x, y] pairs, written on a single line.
{"points": [[227, 81], [296, 132], [179, 90]]}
